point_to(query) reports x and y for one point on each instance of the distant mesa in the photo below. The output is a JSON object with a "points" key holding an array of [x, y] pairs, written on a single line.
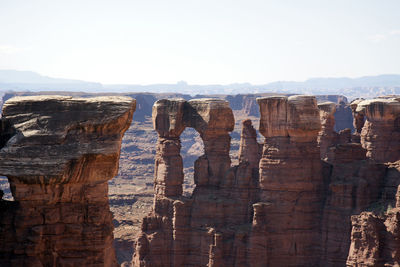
{"points": [[367, 87]]}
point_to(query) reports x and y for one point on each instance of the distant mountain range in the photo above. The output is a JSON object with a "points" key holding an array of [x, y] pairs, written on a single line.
{"points": [[368, 86]]}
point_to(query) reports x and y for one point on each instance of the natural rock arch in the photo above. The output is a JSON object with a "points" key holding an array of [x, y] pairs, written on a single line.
{"points": [[212, 119]]}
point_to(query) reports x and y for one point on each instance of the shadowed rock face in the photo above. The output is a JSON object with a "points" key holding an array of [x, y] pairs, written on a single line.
{"points": [[58, 153], [375, 234]]}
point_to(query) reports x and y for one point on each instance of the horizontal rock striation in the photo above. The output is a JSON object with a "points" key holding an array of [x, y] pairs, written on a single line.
{"points": [[380, 135], [375, 233], [212, 225], [307, 196], [243, 215], [286, 220], [58, 153], [327, 137], [282, 205]]}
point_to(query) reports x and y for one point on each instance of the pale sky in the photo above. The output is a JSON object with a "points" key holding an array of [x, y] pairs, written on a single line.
{"points": [[201, 42]]}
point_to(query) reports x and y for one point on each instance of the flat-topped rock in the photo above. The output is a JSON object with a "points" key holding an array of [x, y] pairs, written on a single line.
{"points": [[380, 134], [328, 107], [295, 116], [380, 108], [168, 117], [210, 116], [58, 153], [46, 134], [327, 137]]}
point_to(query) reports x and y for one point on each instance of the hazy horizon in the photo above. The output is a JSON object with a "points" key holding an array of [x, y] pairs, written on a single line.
{"points": [[207, 42]]}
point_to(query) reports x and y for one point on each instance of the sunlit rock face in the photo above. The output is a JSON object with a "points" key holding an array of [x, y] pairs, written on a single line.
{"points": [[58, 153], [380, 135], [286, 220], [327, 137], [245, 215], [200, 230]]}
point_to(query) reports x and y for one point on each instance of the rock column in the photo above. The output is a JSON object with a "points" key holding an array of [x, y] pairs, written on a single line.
{"points": [[286, 220], [358, 120], [327, 137], [380, 135], [168, 122], [58, 154]]}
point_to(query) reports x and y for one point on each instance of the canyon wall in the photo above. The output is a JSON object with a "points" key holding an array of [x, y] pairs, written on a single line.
{"points": [[307, 196], [58, 153]]}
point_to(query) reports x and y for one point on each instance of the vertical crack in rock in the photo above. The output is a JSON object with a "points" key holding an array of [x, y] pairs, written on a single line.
{"points": [[58, 160]]}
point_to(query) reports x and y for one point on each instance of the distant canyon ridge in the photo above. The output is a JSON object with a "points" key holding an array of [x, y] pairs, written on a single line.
{"points": [[366, 87]]}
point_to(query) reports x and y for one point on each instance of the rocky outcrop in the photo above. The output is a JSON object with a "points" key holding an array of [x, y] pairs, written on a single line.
{"points": [[327, 137], [237, 216], [358, 120], [250, 150], [375, 234], [58, 153], [286, 220], [358, 182], [212, 225], [281, 206], [354, 184], [380, 135]]}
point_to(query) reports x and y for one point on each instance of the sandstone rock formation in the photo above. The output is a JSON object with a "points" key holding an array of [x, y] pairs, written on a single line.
{"points": [[327, 137], [375, 236], [358, 120], [237, 216], [181, 231], [58, 153], [286, 220], [281, 207], [380, 135]]}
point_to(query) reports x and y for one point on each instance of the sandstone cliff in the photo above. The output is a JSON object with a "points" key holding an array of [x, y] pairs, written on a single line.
{"points": [[58, 153], [283, 206], [236, 215]]}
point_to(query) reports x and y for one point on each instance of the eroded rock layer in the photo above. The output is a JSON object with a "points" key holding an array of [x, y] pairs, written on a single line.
{"points": [[241, 215], [58, 154], [290, 182], [380, 135], [282, 205]]}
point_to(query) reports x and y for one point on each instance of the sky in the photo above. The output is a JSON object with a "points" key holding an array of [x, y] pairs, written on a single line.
{"points": [[200, 42]]}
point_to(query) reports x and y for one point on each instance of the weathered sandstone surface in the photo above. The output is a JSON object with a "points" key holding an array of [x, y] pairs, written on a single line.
{"points": [[327, 137], [307, 196], [380, 135], [282, 205], [226, 220], [58, 153]]}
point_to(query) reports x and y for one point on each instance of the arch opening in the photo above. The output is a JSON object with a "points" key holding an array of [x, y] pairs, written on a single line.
{"points": [[192, 148]]}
